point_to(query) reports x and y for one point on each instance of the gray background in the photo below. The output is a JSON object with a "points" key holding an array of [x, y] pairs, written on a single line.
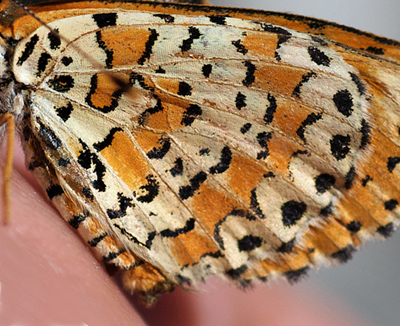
{"points": [[370, 283]]}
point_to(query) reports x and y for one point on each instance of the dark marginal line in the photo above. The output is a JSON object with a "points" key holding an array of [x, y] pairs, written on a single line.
{"points": [[150, 111], [147, 244], [99, 146], [115, 96], [190, 224], [311, 119], [304, 80], [255, 205], [149, 46], [109, 53]]}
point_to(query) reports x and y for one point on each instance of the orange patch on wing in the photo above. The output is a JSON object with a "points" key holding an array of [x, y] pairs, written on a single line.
{"points": [[244, 175], [126, 161], [261, 44], [106, 86], [278, 79], [208, 207], [126, 42], [189, 247]]}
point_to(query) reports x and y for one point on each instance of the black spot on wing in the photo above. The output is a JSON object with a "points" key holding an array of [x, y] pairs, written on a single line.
{"points": [[190, 114], [271, 108], [123, 202], [236, 273], [54, 191], [177, 169], [29, 47], [66, 61], [340, 146], [64, 162], [223, 165], [249, 243], [54, 39], [239, 47], [245, 128], [392, 162], [391, 204], [263, 138], [250, 70], [61, 83], [375, 50], [318, 56], [350, 177], [43, 61], [311, 119], [107, 141], [112, 255], [167, 18], [324, 182], [354, 226], [296, 275], [286, 247], [190, 224], [343, 101], [188, 191], [184, 89], [240, 101], [366, 134], [105, 19], [344, 255], [327, 210], [64, 112], [218, 20], [386, 230], [76, 220], [158, 153], [292, 211], [194, 33], [159, 70], [151, 189], [87, 193], [148, 46], [95, 241], [206, 70], [366, 180]]}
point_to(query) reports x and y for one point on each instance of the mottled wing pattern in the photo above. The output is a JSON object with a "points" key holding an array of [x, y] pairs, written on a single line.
{"points": [[187, 145]]}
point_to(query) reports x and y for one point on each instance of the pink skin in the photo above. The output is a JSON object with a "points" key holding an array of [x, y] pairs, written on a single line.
{"points": [[49, 277]]}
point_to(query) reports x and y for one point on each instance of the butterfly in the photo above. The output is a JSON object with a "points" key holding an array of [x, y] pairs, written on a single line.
{"points": [[185, 141]]}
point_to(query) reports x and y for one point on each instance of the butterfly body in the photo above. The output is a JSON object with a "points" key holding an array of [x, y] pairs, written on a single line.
{"points": [[183, 141]]}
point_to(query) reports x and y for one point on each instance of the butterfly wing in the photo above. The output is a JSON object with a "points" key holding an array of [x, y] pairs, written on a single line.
{"points": [[240, 148]]}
